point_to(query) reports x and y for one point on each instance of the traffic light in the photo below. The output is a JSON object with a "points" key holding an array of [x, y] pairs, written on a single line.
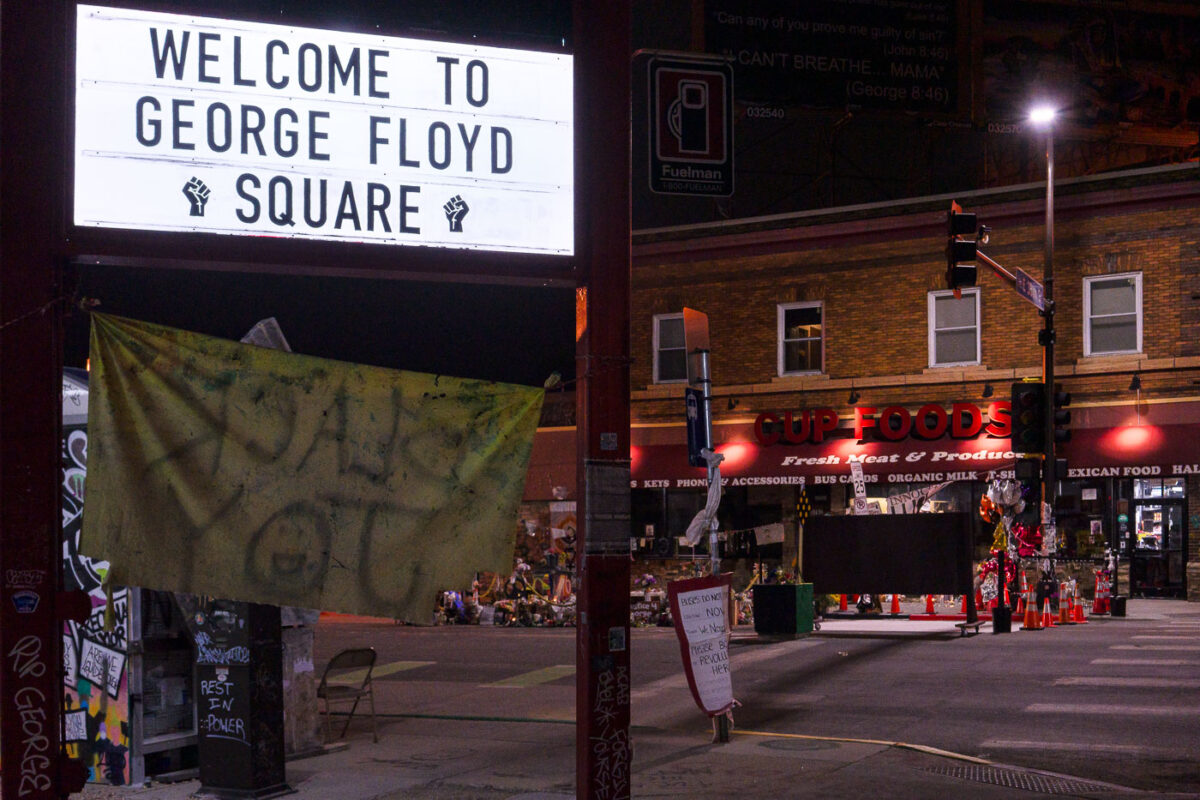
{"points": [[1062, 417], [1029, 417], [1028, 472], [958, 250]]}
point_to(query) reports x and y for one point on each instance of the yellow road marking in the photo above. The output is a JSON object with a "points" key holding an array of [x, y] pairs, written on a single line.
{"points": [[534, 678], [357, 675]]}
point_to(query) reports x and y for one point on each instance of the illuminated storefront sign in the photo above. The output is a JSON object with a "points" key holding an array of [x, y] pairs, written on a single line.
{"points": [[186, 123], [893, 423]]}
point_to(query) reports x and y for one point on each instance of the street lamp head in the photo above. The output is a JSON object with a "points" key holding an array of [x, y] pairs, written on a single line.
{"points": [[1042, 115]]}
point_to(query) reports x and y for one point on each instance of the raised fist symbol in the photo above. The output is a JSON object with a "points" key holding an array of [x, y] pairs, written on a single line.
{"points": [[197, 194], [455, 210]]}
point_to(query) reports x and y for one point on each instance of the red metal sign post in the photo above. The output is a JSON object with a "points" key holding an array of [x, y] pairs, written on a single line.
{"points": [[602, 164], [32, 63]]}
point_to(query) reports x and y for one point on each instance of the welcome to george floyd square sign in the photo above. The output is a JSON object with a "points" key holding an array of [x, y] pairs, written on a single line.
{"points": [[198, 124]]}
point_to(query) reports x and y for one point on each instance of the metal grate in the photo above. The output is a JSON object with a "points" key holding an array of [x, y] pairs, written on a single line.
{"points": [[1021, 779]]}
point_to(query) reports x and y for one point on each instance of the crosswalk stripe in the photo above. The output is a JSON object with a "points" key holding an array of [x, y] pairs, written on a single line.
{"points": [[1174, 648], [1109, 710], [357, 675], [1130, 683], [1170, 638], [1145, 662], [1087, 747], [534, 678]]}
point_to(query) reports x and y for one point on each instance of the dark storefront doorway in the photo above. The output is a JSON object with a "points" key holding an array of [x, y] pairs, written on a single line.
{"points": [[1157, 539], [1158, 546]]}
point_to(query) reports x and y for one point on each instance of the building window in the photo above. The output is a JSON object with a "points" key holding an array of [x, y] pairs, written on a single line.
{"points": [[953, 328], [670, 354], [1112, 314], [800, 339]]}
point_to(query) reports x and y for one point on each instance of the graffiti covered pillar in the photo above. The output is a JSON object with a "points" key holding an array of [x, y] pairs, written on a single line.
{"points": [[32, 83], [602, 102]]}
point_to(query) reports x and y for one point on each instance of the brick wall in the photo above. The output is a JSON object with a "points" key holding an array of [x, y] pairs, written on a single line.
{"points": [[874, 288]]}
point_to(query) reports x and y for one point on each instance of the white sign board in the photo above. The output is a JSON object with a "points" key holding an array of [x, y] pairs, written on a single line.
{"points": [[186, 123], [702, 625]]}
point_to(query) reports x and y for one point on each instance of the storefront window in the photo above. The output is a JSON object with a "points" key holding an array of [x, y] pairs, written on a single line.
{"points": [[1080, 517], [953, 328], [800, 343], [1112, 314], [955, 497], [1154, 487], [670, 353]]}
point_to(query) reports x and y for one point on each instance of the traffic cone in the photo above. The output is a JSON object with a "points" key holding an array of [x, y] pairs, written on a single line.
{"points": [[1080, 617], [842, 606], [1031, 623], [895, 610], [1066, 610], [1100, 602], [929, 609], [1047, 615], [963, 610]]}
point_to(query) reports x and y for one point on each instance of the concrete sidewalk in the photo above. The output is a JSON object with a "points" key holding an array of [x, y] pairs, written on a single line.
{"points": [[446, 759]]}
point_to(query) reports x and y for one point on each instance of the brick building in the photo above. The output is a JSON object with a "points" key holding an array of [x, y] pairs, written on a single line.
{"points": [[847, 310]]}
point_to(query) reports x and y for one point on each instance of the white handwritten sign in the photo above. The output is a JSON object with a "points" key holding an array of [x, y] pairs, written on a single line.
{"points": [[102, 666], [188, 123], [700, 608]]}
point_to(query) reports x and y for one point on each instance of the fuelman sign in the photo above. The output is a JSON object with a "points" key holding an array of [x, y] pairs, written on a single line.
{"points": [[186, 123]]}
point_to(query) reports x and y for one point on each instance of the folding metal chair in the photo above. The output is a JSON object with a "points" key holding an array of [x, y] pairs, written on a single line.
{"points": [[347, 679]]}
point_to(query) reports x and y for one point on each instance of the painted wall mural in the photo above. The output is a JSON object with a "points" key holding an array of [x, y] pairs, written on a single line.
{"points": [[96, 691]]}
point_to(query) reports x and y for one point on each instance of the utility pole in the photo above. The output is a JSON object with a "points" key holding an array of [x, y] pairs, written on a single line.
{"points": [[602, 47]]}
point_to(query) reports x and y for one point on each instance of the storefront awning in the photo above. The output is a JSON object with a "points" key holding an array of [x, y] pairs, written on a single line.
{"points": [[1125, 451], [752, 464], [659, 458]]}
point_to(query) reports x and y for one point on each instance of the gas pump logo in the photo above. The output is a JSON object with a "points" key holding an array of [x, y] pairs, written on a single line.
{"points": [[687, 117], [691, 126], [691, 114]]}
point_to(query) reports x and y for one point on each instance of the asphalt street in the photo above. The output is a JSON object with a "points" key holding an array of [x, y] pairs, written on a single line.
{"points": [[869, 707], [1115, 700]]}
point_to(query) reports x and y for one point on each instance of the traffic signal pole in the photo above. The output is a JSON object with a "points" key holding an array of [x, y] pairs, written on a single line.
{"points": [[1048, 469]]}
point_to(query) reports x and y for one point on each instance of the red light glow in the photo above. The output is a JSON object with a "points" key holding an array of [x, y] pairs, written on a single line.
{"points": [[737, 454], [1131, 441]]}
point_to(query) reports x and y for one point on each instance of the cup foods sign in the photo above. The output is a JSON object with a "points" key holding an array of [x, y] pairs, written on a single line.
{"points": [[187, 123]]}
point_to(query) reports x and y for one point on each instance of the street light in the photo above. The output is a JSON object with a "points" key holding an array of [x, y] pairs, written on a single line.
{"points": [[1043, 116]]}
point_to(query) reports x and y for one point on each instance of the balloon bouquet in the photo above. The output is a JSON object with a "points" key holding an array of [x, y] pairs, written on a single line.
{"points": [[1004, 500]]}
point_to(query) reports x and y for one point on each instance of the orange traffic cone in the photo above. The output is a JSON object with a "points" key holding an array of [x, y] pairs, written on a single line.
{"points": [[929, 609], [1080, 617], [1047, 615], [842, 603], [1067, 617], [1031, 623], [895, 611], [963, 610]]}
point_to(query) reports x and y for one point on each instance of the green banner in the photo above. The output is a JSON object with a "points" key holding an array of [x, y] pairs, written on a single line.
{"points": [[235, 471]]}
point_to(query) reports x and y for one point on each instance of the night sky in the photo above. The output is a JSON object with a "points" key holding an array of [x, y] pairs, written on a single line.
{"points": [[504, 333]]}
